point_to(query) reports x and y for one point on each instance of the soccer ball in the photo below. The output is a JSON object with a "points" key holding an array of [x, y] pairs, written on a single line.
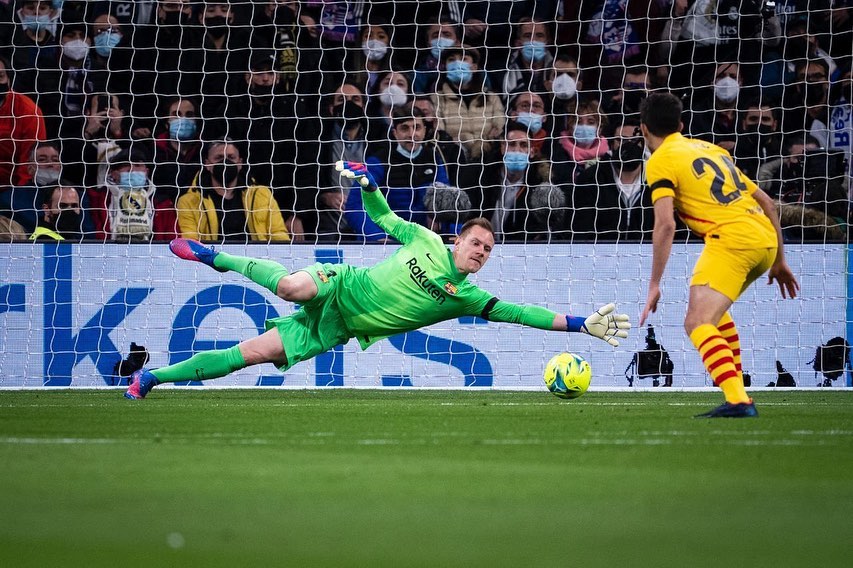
{"points": [[567, 375]]}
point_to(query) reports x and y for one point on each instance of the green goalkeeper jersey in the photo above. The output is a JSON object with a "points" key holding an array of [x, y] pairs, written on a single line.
{"points": [[417, 286]]}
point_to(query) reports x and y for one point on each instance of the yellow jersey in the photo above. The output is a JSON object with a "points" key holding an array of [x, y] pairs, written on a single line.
{"points": [[710, 194]]}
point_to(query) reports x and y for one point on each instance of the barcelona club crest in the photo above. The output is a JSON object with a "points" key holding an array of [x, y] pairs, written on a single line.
{"points": [[450, 288]]}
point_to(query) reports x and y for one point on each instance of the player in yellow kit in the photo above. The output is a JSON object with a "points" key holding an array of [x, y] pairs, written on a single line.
{"points": [[700, 182]]}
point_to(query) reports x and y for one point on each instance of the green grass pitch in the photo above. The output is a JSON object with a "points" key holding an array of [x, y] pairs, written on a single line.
{"points": [[423, 478]]}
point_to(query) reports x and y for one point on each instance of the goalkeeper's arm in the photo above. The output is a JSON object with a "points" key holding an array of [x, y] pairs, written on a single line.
{"points": [[603, 323], [375, 205]]}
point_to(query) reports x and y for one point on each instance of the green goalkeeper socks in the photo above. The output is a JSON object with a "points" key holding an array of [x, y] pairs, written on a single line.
{"points": [[267, 273], [203, 366]]}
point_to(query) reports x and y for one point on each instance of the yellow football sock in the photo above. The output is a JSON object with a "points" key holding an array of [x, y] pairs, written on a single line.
{"points": [[719, 361], [729, 332]]}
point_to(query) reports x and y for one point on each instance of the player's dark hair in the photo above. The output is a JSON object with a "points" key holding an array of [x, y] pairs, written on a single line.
{"points": [[661, 113], [477, 222]]}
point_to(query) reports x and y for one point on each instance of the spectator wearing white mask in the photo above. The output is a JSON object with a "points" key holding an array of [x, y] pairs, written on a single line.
{"points": [[563, 80], [714, 116], [21, 203], [391, 91], [367, 65], [73, 83], [563, 83]]}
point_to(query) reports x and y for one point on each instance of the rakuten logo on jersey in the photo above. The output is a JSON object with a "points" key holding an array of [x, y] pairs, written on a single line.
{"points": [[419, 277]]}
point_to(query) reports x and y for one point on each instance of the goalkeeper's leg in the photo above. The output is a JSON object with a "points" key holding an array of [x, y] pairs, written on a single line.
{"points": [[266, 273], [298, 287], [266, 348]]}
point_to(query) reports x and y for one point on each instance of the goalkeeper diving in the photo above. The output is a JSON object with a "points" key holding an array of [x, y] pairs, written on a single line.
{"points": [[422, 283]]}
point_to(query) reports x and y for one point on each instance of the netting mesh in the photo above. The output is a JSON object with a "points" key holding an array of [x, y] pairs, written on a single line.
{"points": [[129, 122], [294, 86]]}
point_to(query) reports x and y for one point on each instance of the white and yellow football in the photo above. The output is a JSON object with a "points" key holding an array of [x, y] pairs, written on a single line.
{"points": [[567, 375]]}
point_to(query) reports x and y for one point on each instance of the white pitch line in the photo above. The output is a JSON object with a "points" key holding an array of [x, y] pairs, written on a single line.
{"points": [[60, 441], [594, 441]]}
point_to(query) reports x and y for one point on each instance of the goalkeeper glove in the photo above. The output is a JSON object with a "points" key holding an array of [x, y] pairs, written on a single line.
{"points": [[358, 172], [603, 324]]}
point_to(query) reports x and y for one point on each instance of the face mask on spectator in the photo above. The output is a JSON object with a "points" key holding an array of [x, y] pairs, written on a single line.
{"points": [[631, 100], [414, 153], [105, 42], [260, 90], [814, 94], [374, 49], [175, 18], [533, 50], [516, 161], [46, 176], [762, 129], [585, 134], [459, 72], [351, 114], [439, 44], [565, 86], [182, 128], [69, 224], [35, 23], [133, 180], [75, 50], [216, 25], [531, 120], [57, 4], [225, 173], [726, 89], [631, 155], [393, 95]]}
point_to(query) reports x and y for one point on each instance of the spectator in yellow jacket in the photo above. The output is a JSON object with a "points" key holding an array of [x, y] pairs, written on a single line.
{"points": [[224, 205]]}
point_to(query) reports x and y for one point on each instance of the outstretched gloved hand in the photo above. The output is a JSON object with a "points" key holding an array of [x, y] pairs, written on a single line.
{"points": [[358, 172], [606, 325]]}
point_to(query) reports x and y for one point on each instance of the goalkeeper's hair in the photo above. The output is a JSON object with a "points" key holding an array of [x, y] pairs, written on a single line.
{"points": [[477, 222], [661, 113]]}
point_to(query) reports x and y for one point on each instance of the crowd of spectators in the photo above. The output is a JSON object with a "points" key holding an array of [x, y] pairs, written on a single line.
{"points": [[137, 121]]}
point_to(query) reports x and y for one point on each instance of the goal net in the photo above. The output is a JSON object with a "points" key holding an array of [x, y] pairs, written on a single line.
{"points": [[124, 125]]}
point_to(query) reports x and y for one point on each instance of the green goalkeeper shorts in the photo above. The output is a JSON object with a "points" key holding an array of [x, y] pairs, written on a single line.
{"points": [[318, 325]]}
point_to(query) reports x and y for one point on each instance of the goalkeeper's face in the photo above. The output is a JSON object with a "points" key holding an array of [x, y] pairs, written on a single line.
{"points": [[472, 249]]}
